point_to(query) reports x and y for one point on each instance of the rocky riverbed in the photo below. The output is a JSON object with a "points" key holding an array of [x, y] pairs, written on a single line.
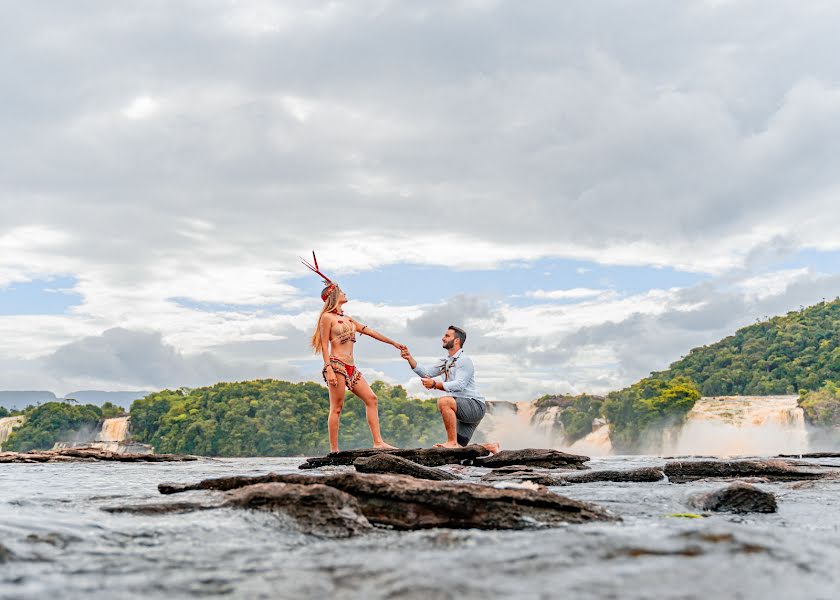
{"points": [[97, 528]]}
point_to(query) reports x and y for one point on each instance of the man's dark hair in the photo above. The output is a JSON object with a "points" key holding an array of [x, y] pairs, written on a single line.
{"points": [[459, 333]]}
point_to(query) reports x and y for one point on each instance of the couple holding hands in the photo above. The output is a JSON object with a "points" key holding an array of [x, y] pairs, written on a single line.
{"points": [[461, 409]]}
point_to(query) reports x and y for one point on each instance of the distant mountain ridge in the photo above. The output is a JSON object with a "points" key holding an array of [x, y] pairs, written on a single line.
{"points": [[17, 400]]}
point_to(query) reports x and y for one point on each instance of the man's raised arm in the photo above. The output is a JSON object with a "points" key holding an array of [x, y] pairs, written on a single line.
{"points": [[431, 371]]}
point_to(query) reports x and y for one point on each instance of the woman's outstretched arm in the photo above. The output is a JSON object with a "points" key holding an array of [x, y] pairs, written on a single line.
{"points": [[364, 329]]}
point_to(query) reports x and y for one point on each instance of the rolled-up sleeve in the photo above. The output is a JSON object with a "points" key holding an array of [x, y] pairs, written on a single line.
{"points": [[431, 371], [464, 373]]}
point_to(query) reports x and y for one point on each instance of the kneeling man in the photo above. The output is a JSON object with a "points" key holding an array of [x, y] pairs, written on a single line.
{"points": [[464, 407]]}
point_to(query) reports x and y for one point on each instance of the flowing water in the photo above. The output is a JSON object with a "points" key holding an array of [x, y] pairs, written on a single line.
{"points": [[114, 430], [7, 424], [721, 426], [56, 542]]}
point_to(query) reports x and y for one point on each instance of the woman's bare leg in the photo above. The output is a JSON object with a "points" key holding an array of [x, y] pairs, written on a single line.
{"points": [[366, 395], [336, 404]]}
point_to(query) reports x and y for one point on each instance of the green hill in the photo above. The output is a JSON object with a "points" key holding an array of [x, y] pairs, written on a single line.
{"points": [[275, 418], [786, 354]]}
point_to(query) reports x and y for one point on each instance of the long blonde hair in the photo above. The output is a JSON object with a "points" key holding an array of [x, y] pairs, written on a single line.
{"points": [[330, 304]]}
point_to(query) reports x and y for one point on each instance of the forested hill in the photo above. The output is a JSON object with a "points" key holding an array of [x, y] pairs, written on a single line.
{"points": [[797, 351]]}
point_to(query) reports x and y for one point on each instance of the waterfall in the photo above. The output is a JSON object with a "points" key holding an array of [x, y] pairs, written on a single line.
{"points": [[114, 430], [6, 426], [597, 443], [741, 425]]}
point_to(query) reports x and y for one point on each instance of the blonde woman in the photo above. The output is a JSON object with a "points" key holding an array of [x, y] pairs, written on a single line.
{"points": [[334, 337]]}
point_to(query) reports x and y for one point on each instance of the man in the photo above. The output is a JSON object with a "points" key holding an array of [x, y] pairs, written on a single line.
{"points": [[464, 407]]}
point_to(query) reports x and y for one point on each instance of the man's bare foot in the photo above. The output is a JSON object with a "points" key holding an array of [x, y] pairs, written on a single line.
{"points": [[384, 446], [333, 450], [493, 447], [448, 445]]}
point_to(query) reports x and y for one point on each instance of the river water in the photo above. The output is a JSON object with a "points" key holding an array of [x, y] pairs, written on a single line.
{"points": [[56, 542]]}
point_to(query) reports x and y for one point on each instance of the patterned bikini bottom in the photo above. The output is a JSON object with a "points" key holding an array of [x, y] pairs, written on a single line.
{"points": [[350, 372]]}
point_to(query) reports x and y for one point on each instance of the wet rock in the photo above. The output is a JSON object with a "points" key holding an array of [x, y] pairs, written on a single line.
{"points": [[773, 470], [224, 484], [642, 475], [169, 508], [5, 554], [407, 503], [520, 474], [533, 457], [310, 508], [812, 455], [388, 463], [404, 502], [86, 455], [739, 497], [314, 509], [429, 457]]}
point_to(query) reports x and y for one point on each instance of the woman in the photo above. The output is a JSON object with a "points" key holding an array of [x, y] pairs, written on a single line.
{"points": [[334, 338]]}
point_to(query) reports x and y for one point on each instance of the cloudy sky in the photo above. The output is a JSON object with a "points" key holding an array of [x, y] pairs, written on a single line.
{"points": [[590, 188]]}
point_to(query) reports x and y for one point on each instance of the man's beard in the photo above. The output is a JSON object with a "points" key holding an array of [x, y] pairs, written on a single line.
{"points": [[449, 345]]}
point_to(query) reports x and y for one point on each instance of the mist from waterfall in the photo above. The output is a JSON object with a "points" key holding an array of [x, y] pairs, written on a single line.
{"points": [[720, 426], [741, 425]]}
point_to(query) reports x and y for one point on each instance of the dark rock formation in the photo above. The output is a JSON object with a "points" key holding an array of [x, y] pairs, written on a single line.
{"points": [[772, 470], [429, 457], [314, 509], [520, 474], [533, 457], [388, 463], [86, 455], [5, 554], [738, 497], [642, 475], [405, 502], [224, 484], [812, 455]]}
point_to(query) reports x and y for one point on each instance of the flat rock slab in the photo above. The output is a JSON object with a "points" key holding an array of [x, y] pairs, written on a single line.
{"points": [[388, 463], [520, 474], [771, 470], [87, 455], [812, 455], [429, 457], [314, 509], [739, 497], [404, 502], [641, 475], [533, 457]]}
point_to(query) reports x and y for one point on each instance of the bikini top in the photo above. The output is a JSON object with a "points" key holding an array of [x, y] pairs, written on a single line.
{"points": [[348, 335]]}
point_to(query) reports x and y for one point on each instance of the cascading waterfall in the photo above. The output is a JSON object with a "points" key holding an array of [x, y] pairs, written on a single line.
{"points": [[114, 430], [741, 425], [7, 424], [723, 426]]}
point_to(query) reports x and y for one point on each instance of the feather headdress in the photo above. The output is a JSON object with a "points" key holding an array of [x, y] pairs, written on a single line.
{"points": [[331, 285]]}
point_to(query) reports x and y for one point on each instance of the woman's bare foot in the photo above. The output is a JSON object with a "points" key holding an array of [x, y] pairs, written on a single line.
{"points": [[448, 445], [384, 446]]}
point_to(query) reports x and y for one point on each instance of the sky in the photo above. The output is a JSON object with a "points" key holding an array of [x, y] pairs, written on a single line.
{"points": [[590, 189]]}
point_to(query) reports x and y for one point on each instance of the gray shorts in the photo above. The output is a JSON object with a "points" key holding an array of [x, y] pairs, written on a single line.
{"points": [[469, 413]]}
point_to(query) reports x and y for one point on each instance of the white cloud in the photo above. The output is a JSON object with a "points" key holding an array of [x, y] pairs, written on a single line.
{"points": [[569, 294], [197, 149], [141, 107]]}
